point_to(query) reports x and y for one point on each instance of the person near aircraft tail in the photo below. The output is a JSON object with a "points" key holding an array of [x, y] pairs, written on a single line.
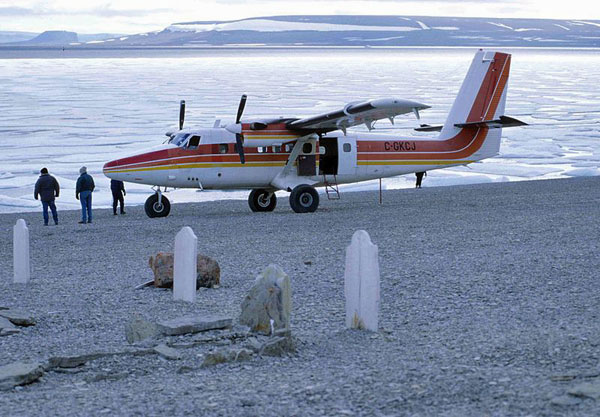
{"points": [[47, 189], [420, 176], [118, 192], [83, 193]]}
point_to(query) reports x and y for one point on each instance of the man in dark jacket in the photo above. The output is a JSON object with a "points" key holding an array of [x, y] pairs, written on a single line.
{"points": [[118, 192], [47, 189], [83, 192]]}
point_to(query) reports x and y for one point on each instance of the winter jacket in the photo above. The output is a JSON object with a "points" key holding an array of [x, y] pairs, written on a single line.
{"points": [[85, 182], [46, 187], [116, 186]]}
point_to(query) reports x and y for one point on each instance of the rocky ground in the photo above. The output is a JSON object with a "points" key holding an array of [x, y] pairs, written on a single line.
{"points": [[490, 305]]}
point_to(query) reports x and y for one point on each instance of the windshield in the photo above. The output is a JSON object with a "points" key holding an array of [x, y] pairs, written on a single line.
{"points": [[179, 138]]}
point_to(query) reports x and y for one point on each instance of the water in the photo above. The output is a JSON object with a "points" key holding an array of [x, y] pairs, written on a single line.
{"points": [[63, 113]]}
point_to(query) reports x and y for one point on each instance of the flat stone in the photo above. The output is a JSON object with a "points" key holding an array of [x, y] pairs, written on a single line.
{"points": [[565, 400], [167, 352], [589, 389], [7, 328], [278, 346], [192, 324], [72, 361], [18, 317], [226, 355], [139, 329], [19, 373]]}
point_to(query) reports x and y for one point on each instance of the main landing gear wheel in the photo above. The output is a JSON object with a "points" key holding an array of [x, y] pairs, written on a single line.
{"points": [[262, 200], [155, 208], [304, 199]]}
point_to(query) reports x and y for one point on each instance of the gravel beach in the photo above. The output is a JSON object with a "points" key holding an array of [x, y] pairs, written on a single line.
{"points": [[490, 305]]}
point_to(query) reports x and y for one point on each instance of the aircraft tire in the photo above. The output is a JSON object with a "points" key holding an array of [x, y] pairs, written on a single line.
{"points": [[258, 200], [304, 199], [154, 209]]}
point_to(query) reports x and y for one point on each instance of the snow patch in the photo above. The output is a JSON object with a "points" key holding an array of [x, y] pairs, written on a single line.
{"points": [[500, 25], [266, 25], [423, 25]]}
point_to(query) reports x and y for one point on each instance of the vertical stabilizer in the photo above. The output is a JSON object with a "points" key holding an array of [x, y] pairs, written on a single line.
{"points": [[481, 97]]}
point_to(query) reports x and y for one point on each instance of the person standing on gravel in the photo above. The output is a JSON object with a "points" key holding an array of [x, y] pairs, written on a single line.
{"points": [[420, 176], [83, 193], [47, 188], [118, 192]]}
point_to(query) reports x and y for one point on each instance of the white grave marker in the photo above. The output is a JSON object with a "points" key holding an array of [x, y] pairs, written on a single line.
{"points": [[361, 283], [22, 268], [184, 268]]}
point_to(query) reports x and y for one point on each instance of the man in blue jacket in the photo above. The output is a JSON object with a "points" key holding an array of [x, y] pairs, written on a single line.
{"points": [[47, 189], [83, 193]]}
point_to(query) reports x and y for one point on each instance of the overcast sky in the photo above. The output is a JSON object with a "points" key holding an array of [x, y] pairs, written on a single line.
{"points": [[135, 16]]}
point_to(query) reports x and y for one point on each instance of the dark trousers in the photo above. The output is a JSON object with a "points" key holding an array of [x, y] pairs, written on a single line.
{"points": [[118, 198], [45, 205], [419, 178]]}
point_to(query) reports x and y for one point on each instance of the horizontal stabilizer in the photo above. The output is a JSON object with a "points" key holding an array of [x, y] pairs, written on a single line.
{"points": [[503, 121], [429, 128]]}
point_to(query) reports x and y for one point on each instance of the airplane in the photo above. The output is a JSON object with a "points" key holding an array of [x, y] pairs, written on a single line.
{"points": [[300, 154]]}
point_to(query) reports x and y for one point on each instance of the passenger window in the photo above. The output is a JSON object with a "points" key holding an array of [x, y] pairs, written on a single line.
{"points": [[307, 148], [193, 142], [289, 147], [261, 149], [223, 148], [276, 149], [347, 147]]}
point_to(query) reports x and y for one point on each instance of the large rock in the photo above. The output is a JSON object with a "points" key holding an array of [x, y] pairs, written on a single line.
{"points": [[139, 329], [18, 317], [19, 373], [269, 299], [208, 271], [192, 324]]}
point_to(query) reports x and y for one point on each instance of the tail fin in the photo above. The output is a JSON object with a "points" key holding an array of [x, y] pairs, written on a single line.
{"points": [[482, 97]]}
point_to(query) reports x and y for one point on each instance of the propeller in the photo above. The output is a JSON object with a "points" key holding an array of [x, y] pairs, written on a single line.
{"points": [[239, 138], [181, 113]]}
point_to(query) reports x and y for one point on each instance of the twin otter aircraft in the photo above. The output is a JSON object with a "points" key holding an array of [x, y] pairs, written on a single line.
{"points": [[298, 155]]}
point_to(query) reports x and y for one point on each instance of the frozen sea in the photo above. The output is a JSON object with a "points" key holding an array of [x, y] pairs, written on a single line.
{"points": [[65, 109]]}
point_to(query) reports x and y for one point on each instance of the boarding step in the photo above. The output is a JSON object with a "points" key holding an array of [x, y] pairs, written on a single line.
{"points": [[331, 188]]}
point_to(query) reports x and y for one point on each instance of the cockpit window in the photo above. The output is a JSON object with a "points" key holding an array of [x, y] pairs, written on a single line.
{"points": [[193, 142], [179, 139]]}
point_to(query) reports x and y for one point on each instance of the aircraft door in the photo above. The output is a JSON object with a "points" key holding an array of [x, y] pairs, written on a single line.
{"points": [[347, 156], [328, 156], [307, 160]]}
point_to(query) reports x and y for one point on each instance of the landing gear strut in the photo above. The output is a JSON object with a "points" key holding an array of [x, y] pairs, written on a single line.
{"points": [[262, 200], [157, 205], [304, 199]]}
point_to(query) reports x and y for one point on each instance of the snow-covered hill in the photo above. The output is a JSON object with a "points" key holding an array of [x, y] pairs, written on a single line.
{"points": [[370, 31]]}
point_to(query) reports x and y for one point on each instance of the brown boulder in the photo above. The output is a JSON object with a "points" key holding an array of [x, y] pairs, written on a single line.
{"points": [[208, 271]]}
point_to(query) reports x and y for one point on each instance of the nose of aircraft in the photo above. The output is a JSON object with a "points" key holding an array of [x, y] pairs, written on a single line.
{"points": [[134, 167]]}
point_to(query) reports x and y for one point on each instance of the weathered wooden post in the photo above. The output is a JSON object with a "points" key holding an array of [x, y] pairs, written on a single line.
{"points": [[21, 265], [361, 283], [184, 268]]}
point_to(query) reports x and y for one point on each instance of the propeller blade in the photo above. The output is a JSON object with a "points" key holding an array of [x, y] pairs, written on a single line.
{"points": [[239, 146], [241, 108], [181, 113]]}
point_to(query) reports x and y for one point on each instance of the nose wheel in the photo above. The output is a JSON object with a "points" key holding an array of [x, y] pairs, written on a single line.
{"points": [[157, 205], [304, 199], [262, 200]]}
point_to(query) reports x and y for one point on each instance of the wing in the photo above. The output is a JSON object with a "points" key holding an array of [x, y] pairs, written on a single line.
{"points": [[357, 113]]}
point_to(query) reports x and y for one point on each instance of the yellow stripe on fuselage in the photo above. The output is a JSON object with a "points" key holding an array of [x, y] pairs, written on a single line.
{"points": [[201, 165]]}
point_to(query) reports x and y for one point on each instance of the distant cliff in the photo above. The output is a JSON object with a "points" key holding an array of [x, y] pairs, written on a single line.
{"points": [[54, 37]]}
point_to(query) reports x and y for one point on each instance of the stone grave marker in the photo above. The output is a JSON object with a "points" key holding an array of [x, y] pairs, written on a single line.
{"points": [[22, 268], [361, 283], [184, 268]]}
